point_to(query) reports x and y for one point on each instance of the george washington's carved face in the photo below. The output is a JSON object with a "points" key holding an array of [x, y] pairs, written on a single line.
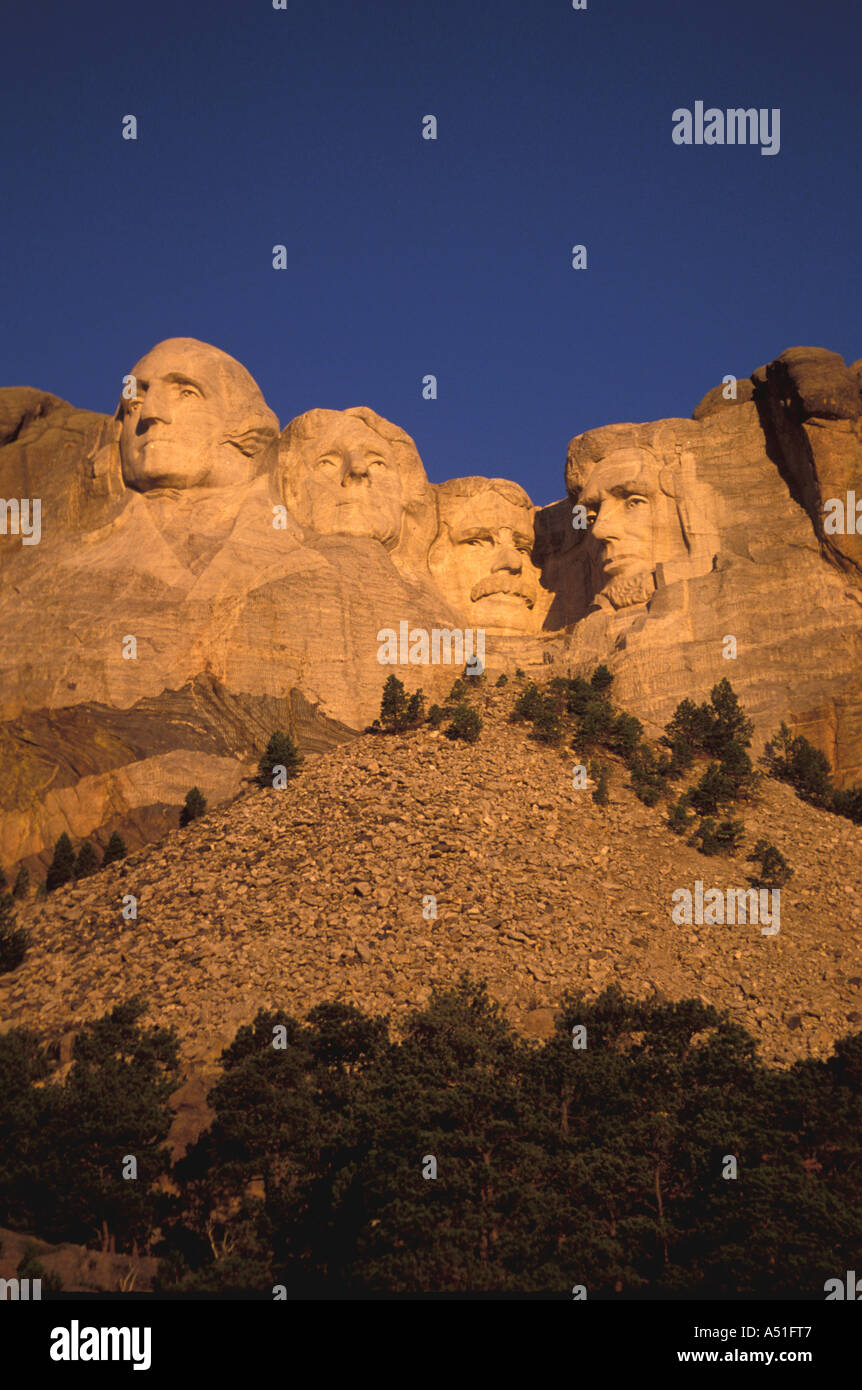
{"points": [[481, 558], [197, 419]]}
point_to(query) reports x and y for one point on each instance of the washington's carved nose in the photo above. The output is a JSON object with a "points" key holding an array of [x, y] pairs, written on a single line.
{"points": [[155, 407]]}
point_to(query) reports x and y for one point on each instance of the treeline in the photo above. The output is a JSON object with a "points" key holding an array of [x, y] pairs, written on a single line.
{"points": [[644, 1149]]}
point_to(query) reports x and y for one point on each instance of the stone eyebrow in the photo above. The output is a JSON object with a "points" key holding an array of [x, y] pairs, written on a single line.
{"points": [[634, 487], [182, 380]]}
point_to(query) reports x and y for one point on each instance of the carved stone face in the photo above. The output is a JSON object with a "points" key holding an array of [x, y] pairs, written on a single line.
{"points": [[481, 559], [198, 420], [621, 497], [343, 479]]}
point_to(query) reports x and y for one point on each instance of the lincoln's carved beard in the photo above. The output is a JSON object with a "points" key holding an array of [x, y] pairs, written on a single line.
{"points": [[626, 590]]}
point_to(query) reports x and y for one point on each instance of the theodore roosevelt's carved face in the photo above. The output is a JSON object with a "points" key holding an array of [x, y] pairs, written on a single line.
{"points": [[481, 558], [196, 419]]}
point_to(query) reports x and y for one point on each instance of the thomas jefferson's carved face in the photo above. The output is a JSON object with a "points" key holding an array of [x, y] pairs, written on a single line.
{"points": [[185, 427], [481, 560], [344, 480], [620, 499]]}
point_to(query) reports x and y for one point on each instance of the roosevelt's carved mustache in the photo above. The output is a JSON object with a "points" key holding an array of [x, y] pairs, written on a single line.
{"points": [[487, 587]]}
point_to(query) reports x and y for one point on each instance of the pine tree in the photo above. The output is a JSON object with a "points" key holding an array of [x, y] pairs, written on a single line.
{"points": [[600, 791], [601, 680], [13, 940], [466, 724], [394, 706], [115, 849], [415, 709], [194, 807], [87, 861], [774, 868], [281, 752], [62, 865]]}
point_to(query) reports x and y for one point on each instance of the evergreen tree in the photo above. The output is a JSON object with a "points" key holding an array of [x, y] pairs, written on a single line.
{"points": [[13, 940], [436, 715], [87, 861], [22, 883], [62, 865], [601, 679], [415, 709], [394, 706], [529, 703], [281, 752], [774, 870], [114, 850], [194, 807], [466, 724], [546, 722], [600, 791], [722, 838]]}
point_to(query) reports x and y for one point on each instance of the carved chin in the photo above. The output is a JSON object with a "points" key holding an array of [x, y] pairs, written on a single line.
{"points": [[629, 589]]}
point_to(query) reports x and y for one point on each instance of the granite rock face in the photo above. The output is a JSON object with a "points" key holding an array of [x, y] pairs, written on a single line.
{"points": [[199, 580]]}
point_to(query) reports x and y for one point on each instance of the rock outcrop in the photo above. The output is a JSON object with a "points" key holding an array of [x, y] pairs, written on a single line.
{"points": [[198, 580]]}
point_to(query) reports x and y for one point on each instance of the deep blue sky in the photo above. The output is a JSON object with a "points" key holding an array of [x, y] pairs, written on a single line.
{"points": [[302, 126]]}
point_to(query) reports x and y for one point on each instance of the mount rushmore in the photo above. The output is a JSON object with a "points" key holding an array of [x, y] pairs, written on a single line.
{"points": [[201, 577]]}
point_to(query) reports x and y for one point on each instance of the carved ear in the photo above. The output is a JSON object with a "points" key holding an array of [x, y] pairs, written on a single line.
{"points": [[252, 442]]}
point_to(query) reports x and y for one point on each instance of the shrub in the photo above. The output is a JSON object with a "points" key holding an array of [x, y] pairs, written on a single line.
{"points": [[466, 724], [529, 703], [774, 869], [458, 693], [849, 803], [723, 838], [546, 723], [281, 751], [22, 883], [114, 850], [31, 1267], [194, 807], [62, 865], [678, 817], [436, 715], [501, 680]]}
